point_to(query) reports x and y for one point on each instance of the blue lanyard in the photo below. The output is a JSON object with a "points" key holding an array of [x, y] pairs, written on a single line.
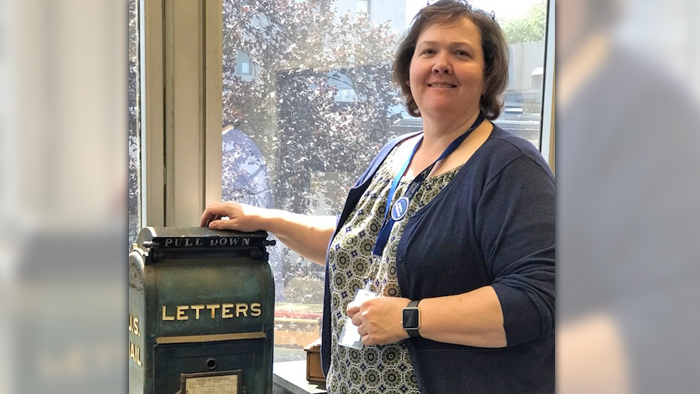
{"points": [[398, 211]]}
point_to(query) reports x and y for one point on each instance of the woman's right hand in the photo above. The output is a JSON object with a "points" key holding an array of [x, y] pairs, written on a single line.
{"points": [[241, 217], [307, 235]]}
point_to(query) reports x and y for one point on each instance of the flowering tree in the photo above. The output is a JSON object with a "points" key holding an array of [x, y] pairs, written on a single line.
{"points": [[302, 56], [317, 98]]}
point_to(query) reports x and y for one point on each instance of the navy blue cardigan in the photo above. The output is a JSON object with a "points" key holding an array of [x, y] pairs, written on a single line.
{"points": [[493, 224]]}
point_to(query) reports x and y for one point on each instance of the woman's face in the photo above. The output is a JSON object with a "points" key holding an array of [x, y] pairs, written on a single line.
{"points": [[447, 70]]}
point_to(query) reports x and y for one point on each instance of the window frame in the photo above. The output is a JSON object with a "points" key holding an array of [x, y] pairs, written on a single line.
{"points": [[181, 110], [547, 146]]}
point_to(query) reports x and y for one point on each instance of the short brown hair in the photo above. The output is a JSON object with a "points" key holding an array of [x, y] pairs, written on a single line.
{"points": [[493, 44]]}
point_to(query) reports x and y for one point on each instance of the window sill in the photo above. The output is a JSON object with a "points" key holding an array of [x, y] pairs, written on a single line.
{"points": [[290, 378]]}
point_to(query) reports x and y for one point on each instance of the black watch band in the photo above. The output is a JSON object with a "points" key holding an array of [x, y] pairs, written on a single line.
{"points": [[411, 319]]}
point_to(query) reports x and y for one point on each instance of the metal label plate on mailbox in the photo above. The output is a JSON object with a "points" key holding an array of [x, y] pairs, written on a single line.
{"points": [[223, 382]]}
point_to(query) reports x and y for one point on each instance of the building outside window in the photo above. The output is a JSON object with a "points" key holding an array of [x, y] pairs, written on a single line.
{"points": [[362, 6]]}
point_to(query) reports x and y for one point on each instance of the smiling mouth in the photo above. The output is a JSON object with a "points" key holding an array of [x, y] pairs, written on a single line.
{"points": [[441, 85]]}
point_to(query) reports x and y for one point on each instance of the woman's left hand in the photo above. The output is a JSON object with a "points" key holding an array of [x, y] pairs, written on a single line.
{"points": [[378, 320]]}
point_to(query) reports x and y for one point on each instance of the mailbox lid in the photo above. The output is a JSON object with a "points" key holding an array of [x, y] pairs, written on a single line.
{"points": [[207, 283], [159, 242]]}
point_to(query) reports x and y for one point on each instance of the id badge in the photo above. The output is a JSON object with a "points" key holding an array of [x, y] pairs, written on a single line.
{"points": [[349, 336]]}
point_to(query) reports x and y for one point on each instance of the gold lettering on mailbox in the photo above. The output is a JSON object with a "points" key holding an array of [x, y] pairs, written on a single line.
{"points": [[242, 309], [213, 308], [134, 350], [225, 311], [181, 312], [135, 353], [134, 325], [197, 308], [165, 316]]}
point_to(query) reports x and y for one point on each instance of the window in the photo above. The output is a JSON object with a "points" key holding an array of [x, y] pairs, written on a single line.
{"points": [[308, 101], [243, 64], [524, 25], [134, 124]]}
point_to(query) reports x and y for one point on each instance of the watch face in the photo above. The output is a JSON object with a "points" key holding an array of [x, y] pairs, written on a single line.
{"points": [[410, 318]]}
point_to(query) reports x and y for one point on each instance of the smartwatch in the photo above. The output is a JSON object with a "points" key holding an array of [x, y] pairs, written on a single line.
{"points": [[411, 319]]}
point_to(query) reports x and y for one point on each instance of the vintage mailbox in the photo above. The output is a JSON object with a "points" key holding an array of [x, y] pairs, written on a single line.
{"points": [[201, 310]]}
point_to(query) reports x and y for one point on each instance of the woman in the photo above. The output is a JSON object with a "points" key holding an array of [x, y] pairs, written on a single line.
{"points": [[463, 258]]}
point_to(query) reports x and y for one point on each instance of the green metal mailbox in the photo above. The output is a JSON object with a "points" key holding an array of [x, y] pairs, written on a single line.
{"points": [[201, 312]]}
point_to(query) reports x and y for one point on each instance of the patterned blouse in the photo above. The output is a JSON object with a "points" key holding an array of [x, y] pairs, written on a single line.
{"points": [[383, 368]]}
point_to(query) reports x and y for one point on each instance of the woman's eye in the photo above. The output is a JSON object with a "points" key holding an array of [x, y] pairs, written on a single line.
{"points": [[461, 53], [429, 51]]}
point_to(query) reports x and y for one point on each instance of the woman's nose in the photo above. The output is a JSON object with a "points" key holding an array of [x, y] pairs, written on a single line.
{"points": [[441, 66]]}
